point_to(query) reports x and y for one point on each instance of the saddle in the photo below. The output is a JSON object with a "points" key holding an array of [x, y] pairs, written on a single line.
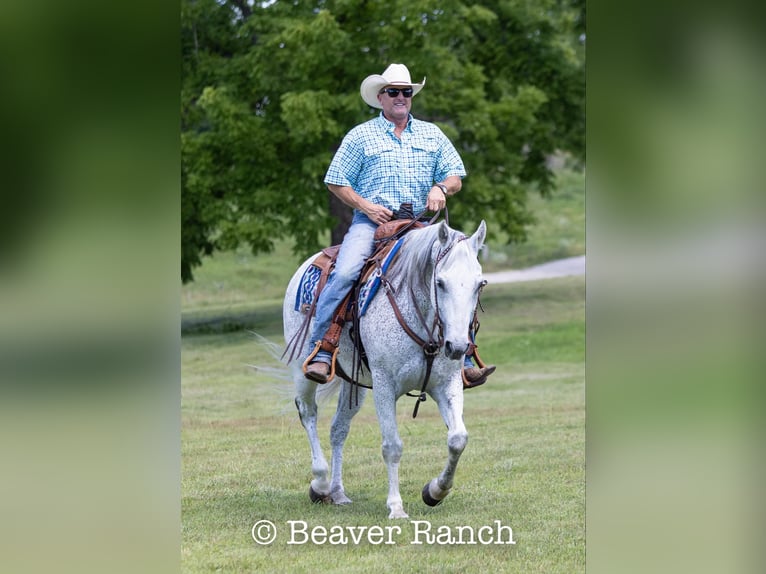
{"points": [[386, 238]]}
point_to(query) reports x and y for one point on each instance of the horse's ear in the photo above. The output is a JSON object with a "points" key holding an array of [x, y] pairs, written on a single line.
{"points": [[477, 239], [443, 233]]}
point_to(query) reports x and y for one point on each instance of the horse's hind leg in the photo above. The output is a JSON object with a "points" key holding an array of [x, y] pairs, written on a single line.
{"points": [[348, 406], [450, 403], [305, 401]]}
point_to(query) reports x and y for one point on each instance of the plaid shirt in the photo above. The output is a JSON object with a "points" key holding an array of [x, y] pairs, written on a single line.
{"points": [[390, 171]]}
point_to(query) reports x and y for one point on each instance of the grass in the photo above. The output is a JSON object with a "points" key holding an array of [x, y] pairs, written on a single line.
{"points": [[235, 290], [245, 456]]}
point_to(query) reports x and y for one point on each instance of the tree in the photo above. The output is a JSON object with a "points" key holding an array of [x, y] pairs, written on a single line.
{"points": [[269, 89]]}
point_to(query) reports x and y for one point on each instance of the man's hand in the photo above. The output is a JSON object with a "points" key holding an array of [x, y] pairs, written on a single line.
{"points": [[436, 199], [378, 213]]}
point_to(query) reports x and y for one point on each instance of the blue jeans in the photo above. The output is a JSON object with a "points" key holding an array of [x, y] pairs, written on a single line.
{"points": [[357, 247]]}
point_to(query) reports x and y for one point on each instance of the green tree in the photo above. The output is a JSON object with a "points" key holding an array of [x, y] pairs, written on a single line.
{"points": [[269, 89]]}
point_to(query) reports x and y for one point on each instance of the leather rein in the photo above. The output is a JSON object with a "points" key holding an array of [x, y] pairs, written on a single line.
{"points": [[435, 338]]}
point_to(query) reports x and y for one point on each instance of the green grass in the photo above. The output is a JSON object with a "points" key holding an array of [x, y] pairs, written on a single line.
{"points": [[246, 457], [234, 291]]}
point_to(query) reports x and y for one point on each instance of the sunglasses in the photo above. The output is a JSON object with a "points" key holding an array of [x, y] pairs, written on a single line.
{"points": [[393, 92]]}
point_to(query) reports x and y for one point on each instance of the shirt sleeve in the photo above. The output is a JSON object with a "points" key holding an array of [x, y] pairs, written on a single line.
{"points": [[347, 163], [449, 161]]}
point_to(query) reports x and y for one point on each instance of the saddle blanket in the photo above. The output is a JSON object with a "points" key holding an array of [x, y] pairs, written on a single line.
{"points": [[308, 285]]}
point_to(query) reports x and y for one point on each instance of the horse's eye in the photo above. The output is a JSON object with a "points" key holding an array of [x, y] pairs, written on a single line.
{"points": [[440, 283], [483, 283]]}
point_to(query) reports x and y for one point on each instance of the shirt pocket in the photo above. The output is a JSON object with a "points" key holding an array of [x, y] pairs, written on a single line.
{"points": [[425, 155], [378, 150], [380, 169]]}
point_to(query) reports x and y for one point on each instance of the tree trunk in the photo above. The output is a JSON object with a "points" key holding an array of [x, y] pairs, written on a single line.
{"points": [[343, 214]]}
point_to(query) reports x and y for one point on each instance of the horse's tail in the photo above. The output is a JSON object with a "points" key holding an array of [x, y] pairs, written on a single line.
{"points": [[328, 390]]}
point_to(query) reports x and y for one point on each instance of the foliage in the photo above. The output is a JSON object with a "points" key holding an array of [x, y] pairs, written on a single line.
{"points": [[269, 90]]}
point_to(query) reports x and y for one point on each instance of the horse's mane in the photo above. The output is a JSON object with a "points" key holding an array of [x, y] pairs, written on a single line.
{"points": [[415, 260]]}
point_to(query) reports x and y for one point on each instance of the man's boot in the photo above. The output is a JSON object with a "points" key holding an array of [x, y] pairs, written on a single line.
{"points": [[318, 372], [476, 376]]}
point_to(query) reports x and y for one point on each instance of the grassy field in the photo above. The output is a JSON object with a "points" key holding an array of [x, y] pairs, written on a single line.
{"points": [[246, 457]]}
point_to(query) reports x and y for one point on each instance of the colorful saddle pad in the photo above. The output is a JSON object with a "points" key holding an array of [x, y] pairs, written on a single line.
{"points": [[307, 288], [370, 287], [308, 285]]}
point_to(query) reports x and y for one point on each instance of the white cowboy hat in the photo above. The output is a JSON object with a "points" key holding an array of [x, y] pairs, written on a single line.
{"points": [[395, 75]]}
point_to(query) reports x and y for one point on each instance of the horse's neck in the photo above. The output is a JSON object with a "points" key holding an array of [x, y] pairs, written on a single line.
{"points": [[411, 290], [413, 293]]}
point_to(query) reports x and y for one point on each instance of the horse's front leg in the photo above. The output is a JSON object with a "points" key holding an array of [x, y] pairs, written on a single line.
{"points": [[450, 400], [385, 407], [341, 424]]}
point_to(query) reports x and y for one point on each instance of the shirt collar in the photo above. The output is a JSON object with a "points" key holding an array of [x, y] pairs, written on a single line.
{"points": [[389, 125]]}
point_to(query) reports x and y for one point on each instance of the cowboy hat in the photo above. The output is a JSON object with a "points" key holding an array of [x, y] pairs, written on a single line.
{"points": [[395, 75]]}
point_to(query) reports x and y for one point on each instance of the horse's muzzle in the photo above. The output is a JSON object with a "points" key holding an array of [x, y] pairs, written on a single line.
{"points": [[454, 352]]}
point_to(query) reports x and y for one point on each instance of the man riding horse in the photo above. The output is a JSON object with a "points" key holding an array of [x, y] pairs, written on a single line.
{"points": [[391, 160]]}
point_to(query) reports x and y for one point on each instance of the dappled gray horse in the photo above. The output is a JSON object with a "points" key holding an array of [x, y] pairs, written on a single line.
{"points": [[435, 283]]}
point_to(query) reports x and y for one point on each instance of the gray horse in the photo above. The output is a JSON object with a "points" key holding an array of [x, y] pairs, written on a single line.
{"points": [[435, 282]]}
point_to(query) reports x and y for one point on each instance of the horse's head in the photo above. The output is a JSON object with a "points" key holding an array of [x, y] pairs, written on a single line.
{"points": [[457, 283]]}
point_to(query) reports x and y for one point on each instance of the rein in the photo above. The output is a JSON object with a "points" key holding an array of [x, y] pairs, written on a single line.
{"points": [[435, 340]]}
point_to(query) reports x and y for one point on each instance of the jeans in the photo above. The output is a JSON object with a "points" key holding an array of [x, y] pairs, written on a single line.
{"points": [[357, 247]]}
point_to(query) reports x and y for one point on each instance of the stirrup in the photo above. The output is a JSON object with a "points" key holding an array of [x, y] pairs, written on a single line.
{"points": [[479, 363], [317, 346], [477, 358], [472, 385]]}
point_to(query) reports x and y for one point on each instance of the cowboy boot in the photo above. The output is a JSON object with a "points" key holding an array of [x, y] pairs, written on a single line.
{"points": [[318, 372], [475, 376]]}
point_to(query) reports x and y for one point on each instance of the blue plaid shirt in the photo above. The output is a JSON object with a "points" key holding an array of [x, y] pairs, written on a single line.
{"points": [[390, 171]]}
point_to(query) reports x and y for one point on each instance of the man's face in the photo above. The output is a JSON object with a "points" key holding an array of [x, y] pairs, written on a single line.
{"points": [[396, 107]]}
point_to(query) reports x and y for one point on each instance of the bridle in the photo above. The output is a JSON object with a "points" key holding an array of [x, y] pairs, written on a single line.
{"points": [[435, 333]]}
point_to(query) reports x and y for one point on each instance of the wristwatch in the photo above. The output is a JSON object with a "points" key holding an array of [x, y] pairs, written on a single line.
{"points": [[442, 187]]}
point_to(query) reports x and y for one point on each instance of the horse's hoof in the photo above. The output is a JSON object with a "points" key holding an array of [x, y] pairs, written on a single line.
{"points": [[318, 498], [427, 498], [398, 513]]}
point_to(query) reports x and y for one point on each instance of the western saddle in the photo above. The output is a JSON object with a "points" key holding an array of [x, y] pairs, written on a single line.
{"points": [[386, 237]]}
